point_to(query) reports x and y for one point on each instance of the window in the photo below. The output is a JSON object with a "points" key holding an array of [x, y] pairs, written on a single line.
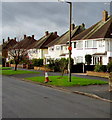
{"points": [[79, 59], [101, 43], [51, 48], [57, 47], [80, 44], [61, 47], [66, 47], [88, 44], [74, 44]]}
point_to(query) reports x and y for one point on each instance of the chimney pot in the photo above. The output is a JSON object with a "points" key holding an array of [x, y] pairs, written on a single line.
{"points": [[83, 24], [72, 27], [105, 16], [46, 33], [3, 41], [24, 36], [55, 32], [15, 38], [32, 36], [8, 38]]}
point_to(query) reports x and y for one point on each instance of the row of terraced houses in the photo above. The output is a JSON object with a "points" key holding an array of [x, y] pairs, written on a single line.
{"points": [[96, 41]]}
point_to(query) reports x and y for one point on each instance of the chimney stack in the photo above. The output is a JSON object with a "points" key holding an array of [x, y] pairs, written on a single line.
{"points": [[55, 32], [8, 38], [46, 33], [105, 16], [32, 36], [15, 38], [24, 36], [72, 27], [3, 41], [83, 24]]}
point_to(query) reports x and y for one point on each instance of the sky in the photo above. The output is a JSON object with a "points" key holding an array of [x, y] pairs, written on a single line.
{"points": [[34, 18]]}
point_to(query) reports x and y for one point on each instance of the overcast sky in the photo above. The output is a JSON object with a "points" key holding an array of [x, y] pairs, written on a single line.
{"points": [[34, 18]]}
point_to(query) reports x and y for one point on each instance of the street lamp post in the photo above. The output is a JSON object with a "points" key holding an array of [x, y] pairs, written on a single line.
{"points": [[70, 47]]}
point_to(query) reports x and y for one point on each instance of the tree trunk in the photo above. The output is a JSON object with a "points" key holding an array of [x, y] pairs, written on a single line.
{"points": [[16, 66]]}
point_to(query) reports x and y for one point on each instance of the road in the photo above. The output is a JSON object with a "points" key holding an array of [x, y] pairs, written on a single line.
{"points": [[27, 100]]}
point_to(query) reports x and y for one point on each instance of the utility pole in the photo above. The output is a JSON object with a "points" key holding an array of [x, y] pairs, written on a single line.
{"points": [[70, 47]]}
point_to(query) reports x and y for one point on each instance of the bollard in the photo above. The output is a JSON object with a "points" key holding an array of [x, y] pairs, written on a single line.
{"points": [[110, 82]]}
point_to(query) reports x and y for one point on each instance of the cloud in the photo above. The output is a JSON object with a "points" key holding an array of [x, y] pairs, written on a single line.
{"points": [[36, 17]]}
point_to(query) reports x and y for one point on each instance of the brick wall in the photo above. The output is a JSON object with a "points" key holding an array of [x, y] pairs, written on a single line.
{"points": [[99, 74]]}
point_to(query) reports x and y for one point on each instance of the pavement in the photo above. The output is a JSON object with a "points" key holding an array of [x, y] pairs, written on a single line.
{"points": [[96, 91]]}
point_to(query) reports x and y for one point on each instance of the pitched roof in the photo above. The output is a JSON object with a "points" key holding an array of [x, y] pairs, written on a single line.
{"points": [[25, 43], [99, 30], [9, 44], [65, 37], [42, 42]]}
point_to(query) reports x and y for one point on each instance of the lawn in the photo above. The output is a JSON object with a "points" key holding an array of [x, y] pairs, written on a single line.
{"points": [[63, 81], [5, 68], [12, 72]]}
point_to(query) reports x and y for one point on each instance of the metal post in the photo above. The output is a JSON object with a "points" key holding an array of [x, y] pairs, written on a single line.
{"points": [[70, 20]]}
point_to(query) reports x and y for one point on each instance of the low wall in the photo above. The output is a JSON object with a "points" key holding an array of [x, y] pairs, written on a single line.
{"points": [[110, 82], [31, 67], [42, 68], [19, 66], [99, 74], [12, 65]]}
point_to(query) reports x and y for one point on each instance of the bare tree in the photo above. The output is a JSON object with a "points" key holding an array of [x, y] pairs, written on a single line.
{"points": [[18, 53]]}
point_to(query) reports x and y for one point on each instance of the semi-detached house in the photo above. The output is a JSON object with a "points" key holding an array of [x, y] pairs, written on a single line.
{"points": [[39, 49], [58, 48], [96, 41], [10, 43]]}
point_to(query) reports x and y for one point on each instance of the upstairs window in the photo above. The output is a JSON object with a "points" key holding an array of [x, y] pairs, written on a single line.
{"points": [[61, 47], [94, 44], [57, 47], [74, 44], [51, 48], [80, 44], [101, 43], [88, 44]]}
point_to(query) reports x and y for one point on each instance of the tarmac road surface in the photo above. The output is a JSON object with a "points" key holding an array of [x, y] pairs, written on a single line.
{"points": [[22, 99]]}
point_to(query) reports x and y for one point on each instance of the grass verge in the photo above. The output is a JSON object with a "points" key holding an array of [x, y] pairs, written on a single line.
{"points": [[63, 81], [12, 72], [5, 68]]}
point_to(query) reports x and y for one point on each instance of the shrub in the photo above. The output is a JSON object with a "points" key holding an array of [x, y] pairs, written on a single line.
{"points": [[63, 63], [37, 62], [53, 65], [59, 65], [100, 68], [109, 66]]}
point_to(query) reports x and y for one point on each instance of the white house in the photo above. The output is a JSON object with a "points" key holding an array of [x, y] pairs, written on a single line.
{"points": [[39, 48], [96, 41], [59, 48]]}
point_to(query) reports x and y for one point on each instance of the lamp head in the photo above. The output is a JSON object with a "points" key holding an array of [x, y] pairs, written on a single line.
{"points": [[61, 1], [65, 1]]}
